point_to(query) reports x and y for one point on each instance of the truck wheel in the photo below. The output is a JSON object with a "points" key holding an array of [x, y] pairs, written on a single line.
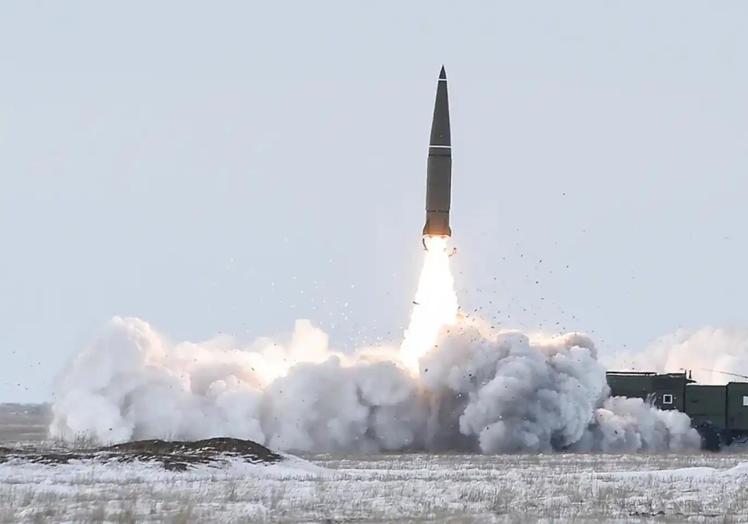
{"points": [[710, 436]]}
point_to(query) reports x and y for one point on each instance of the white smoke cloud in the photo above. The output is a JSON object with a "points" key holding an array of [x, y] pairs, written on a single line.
{"points": [[475, 390], [713, 355], [630, 424]]}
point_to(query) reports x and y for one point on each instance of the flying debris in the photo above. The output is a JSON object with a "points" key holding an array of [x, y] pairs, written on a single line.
{"points": [[439, 169]]}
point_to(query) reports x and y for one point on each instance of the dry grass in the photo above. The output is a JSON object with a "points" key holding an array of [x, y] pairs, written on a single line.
{"points": [[505, 488], [408, 487]]}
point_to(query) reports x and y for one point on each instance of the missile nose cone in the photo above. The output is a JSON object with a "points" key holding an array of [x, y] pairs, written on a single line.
{"points": [[440, 123]]}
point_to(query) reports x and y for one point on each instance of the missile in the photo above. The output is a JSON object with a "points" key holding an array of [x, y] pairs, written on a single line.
{"points": [[439, 166]]}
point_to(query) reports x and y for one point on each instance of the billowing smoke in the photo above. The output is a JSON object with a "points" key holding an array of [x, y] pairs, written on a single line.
{"points": [[712, 355], [453, 384], [476, 390]]}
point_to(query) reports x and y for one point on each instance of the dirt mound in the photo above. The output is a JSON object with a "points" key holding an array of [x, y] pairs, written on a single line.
{"points": [[172, 455], [233, 446]]}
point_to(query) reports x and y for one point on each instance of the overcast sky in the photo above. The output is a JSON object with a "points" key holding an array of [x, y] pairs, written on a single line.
{"points": [[228, 167]]}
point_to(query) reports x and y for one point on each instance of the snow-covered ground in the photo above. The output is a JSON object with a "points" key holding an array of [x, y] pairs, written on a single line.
{"points": [[386, 487], [503, 488]]}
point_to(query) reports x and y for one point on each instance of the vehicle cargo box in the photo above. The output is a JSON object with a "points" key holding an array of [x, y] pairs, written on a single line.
{"points": [[706, 404]]}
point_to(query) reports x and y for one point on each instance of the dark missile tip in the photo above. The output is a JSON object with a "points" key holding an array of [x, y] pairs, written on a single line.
{"points": [[443, 74]]}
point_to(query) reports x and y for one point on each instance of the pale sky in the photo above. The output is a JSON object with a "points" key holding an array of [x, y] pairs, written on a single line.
{"points": [[228, 167]]}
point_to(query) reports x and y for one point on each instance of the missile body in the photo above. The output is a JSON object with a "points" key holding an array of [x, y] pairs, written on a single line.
{"points": [[439, 167]]}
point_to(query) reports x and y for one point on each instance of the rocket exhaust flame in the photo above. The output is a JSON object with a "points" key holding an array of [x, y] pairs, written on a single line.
{"points": [[435, 305]]}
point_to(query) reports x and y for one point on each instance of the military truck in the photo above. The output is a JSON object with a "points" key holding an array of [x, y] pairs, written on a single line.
{"points": [[719, 413]]}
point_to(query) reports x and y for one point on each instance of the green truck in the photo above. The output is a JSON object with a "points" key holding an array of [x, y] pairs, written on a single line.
{"points": [[719, 413]]}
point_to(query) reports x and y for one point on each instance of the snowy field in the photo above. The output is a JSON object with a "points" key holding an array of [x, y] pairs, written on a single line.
{"points": [[503, 488]]}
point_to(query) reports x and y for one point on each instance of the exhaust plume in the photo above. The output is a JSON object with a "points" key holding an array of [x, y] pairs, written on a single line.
{"points": [[435, 305], [452, 384]]}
